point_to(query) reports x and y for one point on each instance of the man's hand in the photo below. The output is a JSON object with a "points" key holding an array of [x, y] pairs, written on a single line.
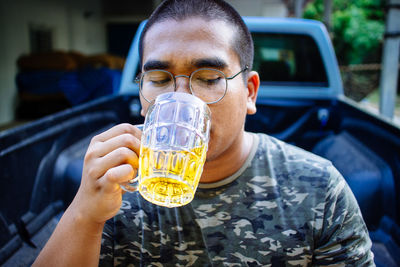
{"points": [[111, 160]]}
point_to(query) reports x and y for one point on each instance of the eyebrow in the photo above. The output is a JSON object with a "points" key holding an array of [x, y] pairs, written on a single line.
{"points": [[214, 62], [156, 64]]}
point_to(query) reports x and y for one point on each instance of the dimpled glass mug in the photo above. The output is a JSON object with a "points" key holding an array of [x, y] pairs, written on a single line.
{"points": [[173, 149]]}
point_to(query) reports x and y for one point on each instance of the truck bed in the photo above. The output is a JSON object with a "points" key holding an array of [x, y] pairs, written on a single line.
{"points": [[41, 164]]}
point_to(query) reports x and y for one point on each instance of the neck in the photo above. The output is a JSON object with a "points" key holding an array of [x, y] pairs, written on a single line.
{"points": [[229, 161]]}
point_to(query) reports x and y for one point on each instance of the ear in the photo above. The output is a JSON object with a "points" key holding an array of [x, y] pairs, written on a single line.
{"points": [[253, 83]]}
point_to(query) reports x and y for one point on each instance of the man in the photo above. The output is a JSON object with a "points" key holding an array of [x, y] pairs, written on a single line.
{"points": [[259, 202]]}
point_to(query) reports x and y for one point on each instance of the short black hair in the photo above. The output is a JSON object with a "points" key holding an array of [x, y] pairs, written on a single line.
{"points": [[209, 10]]}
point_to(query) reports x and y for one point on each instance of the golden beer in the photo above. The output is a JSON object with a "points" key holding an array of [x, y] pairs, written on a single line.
{"points": [[169, 177]]}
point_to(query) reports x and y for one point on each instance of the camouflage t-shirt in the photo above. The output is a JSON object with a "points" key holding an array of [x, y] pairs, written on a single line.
{"points": [[284, 207]]}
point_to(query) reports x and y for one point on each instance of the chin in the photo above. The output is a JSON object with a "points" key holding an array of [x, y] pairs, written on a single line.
{"points": [[210, 151], [213, 152]]}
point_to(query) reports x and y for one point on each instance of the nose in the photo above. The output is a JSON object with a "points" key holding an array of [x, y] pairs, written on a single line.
{"points": [[182, 84]]}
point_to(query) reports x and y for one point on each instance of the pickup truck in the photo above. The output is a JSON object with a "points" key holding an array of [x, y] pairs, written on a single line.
{"points": [[300, 101]]}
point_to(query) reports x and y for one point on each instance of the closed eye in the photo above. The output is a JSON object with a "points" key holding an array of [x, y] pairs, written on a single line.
{"points": [[209, 81], [160, 82]]}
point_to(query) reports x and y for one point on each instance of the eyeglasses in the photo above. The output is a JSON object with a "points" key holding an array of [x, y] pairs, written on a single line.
{"points": [[210, 85]]}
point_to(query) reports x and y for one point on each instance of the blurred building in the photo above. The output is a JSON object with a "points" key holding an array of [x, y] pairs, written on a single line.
{"points": [[85, 26]]}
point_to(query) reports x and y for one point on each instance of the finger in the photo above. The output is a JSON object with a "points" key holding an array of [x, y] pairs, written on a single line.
{"points": [[111, 180], [116, 131], [124, 140], [120, 156], [104, 143]]}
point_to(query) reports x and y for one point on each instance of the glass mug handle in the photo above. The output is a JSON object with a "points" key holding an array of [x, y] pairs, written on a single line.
{"points": [[132, 184]]}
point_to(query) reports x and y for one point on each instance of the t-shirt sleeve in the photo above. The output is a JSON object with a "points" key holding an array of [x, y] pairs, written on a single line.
{"points": [[343, 238], [107, 245]]}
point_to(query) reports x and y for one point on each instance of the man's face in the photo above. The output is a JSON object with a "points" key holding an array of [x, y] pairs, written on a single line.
{"points": [[182, 47]]}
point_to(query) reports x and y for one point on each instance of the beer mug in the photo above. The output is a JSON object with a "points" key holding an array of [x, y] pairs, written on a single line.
{"points": [[173, 149]]}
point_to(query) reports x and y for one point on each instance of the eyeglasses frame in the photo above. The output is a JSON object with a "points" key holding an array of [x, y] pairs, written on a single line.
{"points": [[139, 79]]}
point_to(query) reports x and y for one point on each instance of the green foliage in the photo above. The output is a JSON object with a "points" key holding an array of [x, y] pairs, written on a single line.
{"points": [[357, 28]]}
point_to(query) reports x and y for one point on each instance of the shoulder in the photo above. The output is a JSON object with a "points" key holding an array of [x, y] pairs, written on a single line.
{"points": [[299, 174], [280, 149], [288, 161]]}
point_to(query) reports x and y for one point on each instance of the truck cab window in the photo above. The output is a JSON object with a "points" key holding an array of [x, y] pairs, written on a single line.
{"points": [[288, 59]]}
